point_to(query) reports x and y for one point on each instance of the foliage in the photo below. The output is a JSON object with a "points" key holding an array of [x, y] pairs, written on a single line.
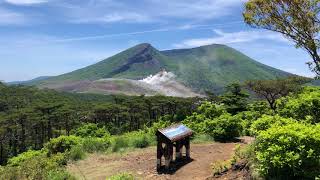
{"points": [[267, 121], [15, 161], [136, 139], [254, 111], [96, 144], [290, 151], [90, 130], [30, 117], [223, 128], [213, 120], [62, 144], [205, 111], [220, 167], [235, 99], [201, 138], [76, 153], [304, 106], [59, 174], [297, 20], [122, 176], [38, 167], [271, 90]]}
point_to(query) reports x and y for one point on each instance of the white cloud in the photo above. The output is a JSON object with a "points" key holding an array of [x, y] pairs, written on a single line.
{"points": [[231, 38], [146, 11], [8, 17], [190, 9], [25, 2], [116, 17]]}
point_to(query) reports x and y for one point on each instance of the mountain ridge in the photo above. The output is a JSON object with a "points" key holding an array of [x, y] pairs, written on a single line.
{"points": [[203, 68]]}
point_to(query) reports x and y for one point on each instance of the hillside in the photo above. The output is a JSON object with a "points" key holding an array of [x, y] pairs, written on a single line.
{"points": [[204, 68]]}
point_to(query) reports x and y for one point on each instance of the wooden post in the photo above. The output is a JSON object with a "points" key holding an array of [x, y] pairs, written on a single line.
{"points": [[178, 150], [187, 148], [159, 154], [168, 155]]}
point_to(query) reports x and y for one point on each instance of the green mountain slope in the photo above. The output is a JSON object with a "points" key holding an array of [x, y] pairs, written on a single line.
{"points": [[204, 68], [215, 66], [134, 63]]}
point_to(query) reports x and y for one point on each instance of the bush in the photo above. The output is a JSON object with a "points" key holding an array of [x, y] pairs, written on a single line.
{"points": [[62, 144], [122, 176], [96, 144], [119, 143], [202, 138], [59, 174], [15, 161], [90, 130], [266, 121], [211, 110], [290, 152], [223, 128], [255, 111], [76, 153], [196, 122], [302, 106], [158, 125]]}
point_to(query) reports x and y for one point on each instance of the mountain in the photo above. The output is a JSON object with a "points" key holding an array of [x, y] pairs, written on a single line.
{"points": [[203, 68], [35, 80]]}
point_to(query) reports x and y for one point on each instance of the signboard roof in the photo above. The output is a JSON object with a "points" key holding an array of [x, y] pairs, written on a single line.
{"points": [[176, 132]]}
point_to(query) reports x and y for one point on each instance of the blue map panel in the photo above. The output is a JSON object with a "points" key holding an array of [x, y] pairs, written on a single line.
{"points": [[175, 131]]}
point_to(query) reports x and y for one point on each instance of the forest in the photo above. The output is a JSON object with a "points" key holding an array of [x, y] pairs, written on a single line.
{"points": [[45, 128], [30, 117]]}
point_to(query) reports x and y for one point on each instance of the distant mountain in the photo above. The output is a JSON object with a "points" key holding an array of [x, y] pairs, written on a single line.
{"points": [[35, 80], [200, 69]]}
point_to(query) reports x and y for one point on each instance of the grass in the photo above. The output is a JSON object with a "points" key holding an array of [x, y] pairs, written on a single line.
{"points": [[122, 176]]}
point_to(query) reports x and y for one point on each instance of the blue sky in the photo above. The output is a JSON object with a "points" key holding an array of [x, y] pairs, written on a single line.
{"points": [[51, 37]]}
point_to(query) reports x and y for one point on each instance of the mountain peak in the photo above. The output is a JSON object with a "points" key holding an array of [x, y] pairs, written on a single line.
{"points": [[144, 45]]}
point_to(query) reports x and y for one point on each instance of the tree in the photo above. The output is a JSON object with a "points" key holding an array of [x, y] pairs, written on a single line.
{"points": [[271, 90], [298, 20], [235, 99]]}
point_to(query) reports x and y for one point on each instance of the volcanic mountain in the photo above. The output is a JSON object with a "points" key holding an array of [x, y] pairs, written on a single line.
{"points": [[193, 71]]}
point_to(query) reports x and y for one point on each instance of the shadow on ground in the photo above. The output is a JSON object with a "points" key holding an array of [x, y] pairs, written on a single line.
{"points": [[175, 166]]}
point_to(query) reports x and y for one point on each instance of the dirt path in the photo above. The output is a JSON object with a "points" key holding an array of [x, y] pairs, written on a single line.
{"points": [[142, 163]]}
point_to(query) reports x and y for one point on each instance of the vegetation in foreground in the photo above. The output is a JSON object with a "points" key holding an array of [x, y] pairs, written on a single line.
{"points": [[287, 137]]}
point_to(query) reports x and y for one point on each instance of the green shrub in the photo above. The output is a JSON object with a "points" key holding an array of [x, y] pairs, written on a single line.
{"points": [[158, 125], [196, 122], [90, 130], [15, 161], [76, 153], [204, 112], [96, 144], [62, 144], [202, 138], [119, 143], [255, 111], [267, 121], [223, 128], [59, 174], [211, 110], [302, 106], [290, 152], [122, 176]]}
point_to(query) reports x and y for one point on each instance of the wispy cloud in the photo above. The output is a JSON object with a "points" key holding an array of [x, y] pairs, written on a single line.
{"points": [[116, 17], [146, 11], [231, 38], [8, 17], [25, 2], [168, 29], [190, 9]]}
